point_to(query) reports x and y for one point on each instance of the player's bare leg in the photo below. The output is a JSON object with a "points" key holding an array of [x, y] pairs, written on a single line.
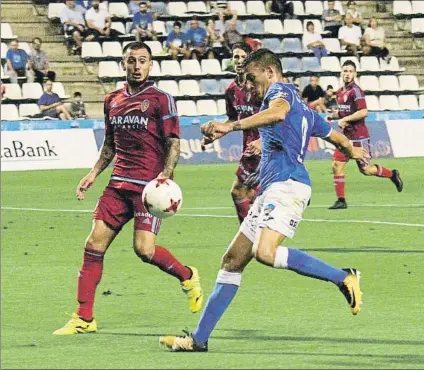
{"points": [[242, 198], [96, 245], [339, 184], [145, 247], [380, 171]]}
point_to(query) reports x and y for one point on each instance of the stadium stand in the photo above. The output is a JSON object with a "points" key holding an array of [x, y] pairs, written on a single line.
{"points": [[394, 84]]}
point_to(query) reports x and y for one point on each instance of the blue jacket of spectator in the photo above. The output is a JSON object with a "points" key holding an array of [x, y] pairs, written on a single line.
{"points": [[178, 39], [142, 20], [48, 99], [18, 58], [197, 37]]}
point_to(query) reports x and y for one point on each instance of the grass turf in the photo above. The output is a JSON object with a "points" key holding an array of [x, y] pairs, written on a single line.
{"points": [[278, 319]]}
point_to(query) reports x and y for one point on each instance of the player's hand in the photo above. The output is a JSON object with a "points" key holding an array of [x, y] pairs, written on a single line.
{"points": [[255, 147], [212, 129], [343, 124], [84, 185], [162, 175], [206, 140], [359, 153]]}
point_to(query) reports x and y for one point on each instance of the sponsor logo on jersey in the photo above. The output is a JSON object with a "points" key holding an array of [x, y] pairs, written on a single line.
{"points": [[144, 105], [143, 214], [129, 122], [114, 105], [242, 108], [344, 107]]}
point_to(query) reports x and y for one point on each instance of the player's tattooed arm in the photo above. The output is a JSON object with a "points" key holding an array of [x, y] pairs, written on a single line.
{"points": [[172, 156], [107, 153]]}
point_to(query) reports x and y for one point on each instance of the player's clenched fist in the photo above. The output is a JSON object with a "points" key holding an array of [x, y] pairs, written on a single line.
{"points": [[84, 185], [214, 129], [359, 153]]}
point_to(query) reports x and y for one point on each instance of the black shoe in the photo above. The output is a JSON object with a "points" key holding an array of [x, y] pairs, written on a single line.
{"points": [[397, 180], [340, 204]]}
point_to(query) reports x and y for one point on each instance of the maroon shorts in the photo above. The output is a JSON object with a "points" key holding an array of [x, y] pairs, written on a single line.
{"points": [[339, 156], [116, 207], [248, 171]]}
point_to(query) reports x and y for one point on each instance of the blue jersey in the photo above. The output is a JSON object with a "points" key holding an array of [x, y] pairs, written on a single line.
{"points": [[285, 143]]}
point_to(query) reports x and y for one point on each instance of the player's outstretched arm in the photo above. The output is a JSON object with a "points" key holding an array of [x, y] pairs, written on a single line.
{"points": [[342, 143], [172, 156]]}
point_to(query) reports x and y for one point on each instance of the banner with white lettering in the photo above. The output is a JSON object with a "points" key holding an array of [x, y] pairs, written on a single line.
{"points": [[47, 149]]}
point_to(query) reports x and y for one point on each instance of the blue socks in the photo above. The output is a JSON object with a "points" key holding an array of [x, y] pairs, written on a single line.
{"points": [[307, 265]]}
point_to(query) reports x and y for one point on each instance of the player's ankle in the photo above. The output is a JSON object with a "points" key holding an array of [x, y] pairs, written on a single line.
{"points": [[341, 199]]}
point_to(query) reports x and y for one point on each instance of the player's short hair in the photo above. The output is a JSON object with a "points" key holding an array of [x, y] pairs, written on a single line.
{"points": [[349, 63], [77, 94], [177, 24], [265, 58], [137, 45], [241, 45], [142, 3]]}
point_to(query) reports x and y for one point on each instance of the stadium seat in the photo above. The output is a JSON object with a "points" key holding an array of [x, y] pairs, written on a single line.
{"points": [[9, 112], [273, 44], [186, 108], [238, 6], [292, 45], [3, 50], [196, 6], [417, 25], [210, 86], [156, 71], [372, 102], [24, 46], [158, 7], [118, 10], [4, 75], [314, 7], [408, 102], [211, 66], [109, 69], [191, 67], [189, 88], [207, 108], [273, 26], [402, 7], [291, 64], [112, 49], [317, 23], [370, 64], [13, 91], [293, 26], [389, 102], [369, 83], [6, 32], [120, 84], [303, 82], [177, 8], [417, 7], [32, 90], [170, 87], [333, 45], [59, 89], [28, 110], [353, 59], [392, 66], [409, 83], [222, 110], [155, 46], [54, 10], [254, 26], [389, 83], [421, 101], [311, 64], [224, 83], [91, 49], [255, 8], [170, 68], [298, 8], [159, 28], [337, 5], [119, 26], [324, 81]]}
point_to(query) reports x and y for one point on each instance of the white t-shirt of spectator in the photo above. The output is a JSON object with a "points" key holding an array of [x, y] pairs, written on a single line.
{"points": [[351, 35], [376, 36], [98, 18], [74, 15], [309, 38]]}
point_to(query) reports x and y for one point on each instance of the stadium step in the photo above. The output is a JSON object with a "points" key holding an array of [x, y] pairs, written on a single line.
{"points": [[14, 11]]}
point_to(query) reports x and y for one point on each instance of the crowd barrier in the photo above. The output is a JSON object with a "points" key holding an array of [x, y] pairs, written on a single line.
{"points": [[37, 145]]}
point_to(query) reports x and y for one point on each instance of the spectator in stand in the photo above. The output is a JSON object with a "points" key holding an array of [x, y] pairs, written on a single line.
{"points": [[72, 18], [215, 36], [350, 36], [134, 6], [232, 36], [313, 94], [142, 26], [40, 63], [313, 41], [282, 7], [18, 63], [352, 11], [330, 99], [99, 22], [222, 8], [50, 104], [337, 5], [78, 106], [296, 83], [81, 3], [197, 40], [332, 19], [177, 41], [374, 41]]}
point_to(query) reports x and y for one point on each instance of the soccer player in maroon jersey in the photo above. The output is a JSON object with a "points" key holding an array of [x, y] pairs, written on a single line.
{"points": [[351, 115], [142, 131], [241, 102]]}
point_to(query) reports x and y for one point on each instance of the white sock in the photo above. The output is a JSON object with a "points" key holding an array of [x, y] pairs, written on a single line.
{"points": [[281, 258]]}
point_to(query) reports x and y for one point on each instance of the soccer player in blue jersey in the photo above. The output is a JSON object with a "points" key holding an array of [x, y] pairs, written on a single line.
{"points": [[285, 124]]}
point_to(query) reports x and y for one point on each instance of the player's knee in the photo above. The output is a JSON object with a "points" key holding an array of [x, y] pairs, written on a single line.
{"points": [[143, 252], [263, 253], [94, 244], [337, 167], [229, 262], [366, 171], [237, 192]]}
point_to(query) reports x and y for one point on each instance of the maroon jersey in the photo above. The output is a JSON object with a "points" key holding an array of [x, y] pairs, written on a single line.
{"points": [[351, 99], [241, 103], [139, 124]]}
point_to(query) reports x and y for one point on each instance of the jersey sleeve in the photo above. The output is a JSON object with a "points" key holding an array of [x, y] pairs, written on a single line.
{"points": [[171, 122], [320, 128], [360, 101], [280, 91], [231, 112]]}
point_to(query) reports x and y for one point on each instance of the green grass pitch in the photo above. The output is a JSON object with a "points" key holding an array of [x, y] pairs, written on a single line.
{"points": [[278, 319]]}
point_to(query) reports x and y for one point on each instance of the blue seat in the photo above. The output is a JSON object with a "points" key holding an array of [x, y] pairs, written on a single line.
{"points": [[254, 26], [169, 25], [291, 64], [273, 44], [158, 7], [239, 26], [209, 86], [224, 83], [311, 64], [292, 45]]}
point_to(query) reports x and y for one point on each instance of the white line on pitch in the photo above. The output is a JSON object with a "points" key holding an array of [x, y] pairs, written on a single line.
{"points": [[221, 216], [325, 206]]}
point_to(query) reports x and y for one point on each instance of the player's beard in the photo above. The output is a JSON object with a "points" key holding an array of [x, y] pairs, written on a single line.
{"points": [[136, 83]]}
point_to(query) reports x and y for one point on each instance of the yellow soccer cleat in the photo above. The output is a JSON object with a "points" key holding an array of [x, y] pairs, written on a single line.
{"points": [[351, 290], [76, 325], [193, 290], [183, 344]]}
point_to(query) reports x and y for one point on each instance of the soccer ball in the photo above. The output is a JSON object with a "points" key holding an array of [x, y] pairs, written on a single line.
{"points": [[162, 198]]}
